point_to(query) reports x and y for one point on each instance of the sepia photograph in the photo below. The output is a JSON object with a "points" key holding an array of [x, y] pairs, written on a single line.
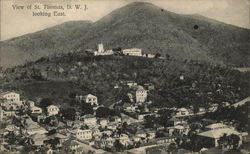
{"points": [[124, 76]]}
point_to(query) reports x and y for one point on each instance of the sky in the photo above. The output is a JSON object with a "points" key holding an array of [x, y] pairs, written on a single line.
{"points": [[17, 22]]}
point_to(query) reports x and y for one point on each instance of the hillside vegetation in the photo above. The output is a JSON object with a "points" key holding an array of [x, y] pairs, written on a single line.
{"points": [[60, 78]]}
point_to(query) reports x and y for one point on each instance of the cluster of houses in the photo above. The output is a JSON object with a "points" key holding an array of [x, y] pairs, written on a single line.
{"points": [[88, 133], [128, 52]]}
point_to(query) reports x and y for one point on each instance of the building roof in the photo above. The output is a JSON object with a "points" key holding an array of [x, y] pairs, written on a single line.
{"points": [[218, 133], [58, 135], [52, 106], [140, 88], [87, 116], [89, 95], [6, 92], [71, 142], [182, 109], [38, 136], [216, 125]]}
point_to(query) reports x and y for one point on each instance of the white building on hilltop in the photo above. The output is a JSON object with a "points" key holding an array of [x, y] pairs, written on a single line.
{"points": [[100, 51], [132, 52]]}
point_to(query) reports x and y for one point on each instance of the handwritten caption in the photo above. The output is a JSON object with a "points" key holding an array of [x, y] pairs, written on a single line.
{"points": [[48, 10]]}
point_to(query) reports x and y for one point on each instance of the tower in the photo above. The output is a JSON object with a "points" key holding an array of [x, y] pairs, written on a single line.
{"points": [[100, 48]]}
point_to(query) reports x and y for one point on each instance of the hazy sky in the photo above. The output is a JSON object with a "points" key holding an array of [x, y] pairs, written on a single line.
{"points": [[19, 22]]}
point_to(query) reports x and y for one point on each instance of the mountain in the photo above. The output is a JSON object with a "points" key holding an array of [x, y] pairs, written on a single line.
{"points": [[142, 25]]}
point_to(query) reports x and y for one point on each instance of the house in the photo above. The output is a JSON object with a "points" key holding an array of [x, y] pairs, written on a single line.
{"points": [[150, 133], [83, 134], [112, 125], [60, 137], [141, 133], [131, 84], [164, 140], [176, 121], [182, 112], [30, 104], [116, 119], [5, 114], [212, 136], [35, 110], [103, 122], [90, 120], [216, 126], [32, 127], [13, 128], [141, 94], [124, 139], [91, 99], [132, 52], [11, 105], [37, 139], [141, 116], [71, 145], [178, 129], [47, 150], [52, 110], [129, 107], [96, 132], [102, 143], [11, 96]]}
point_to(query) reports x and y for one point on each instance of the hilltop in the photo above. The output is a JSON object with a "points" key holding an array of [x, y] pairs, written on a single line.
{"points": [[140, 25]]}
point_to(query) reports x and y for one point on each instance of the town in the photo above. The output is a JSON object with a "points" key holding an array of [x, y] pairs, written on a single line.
{"points": [[126, 126], [132, 125]]}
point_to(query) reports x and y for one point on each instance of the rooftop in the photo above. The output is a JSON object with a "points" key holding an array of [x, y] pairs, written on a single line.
{"points": [[218, 133]]}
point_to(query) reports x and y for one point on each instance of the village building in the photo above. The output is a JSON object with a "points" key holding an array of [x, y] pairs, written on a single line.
{"points": [[52, 110], [103, 122], [150, 133], [5, 114], [212, 136], [132, 52], [102, 143], [35, 110], [216, 126], [116, 119], [124, 139], [32, 127], [90, 99], [37, 139], [90, 120], [131, 84], [83, 134], [60, 137], [141, 94], [129, 107], [71, 145], [11, 96], [182, 112]]}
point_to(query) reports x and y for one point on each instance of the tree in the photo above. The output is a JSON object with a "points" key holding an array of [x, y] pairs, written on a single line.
{"points": [[69, 113], [87, 108], [45, 102], [118, 146], [172, 147], [234, 141], [157, 55], [103, 112]]}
